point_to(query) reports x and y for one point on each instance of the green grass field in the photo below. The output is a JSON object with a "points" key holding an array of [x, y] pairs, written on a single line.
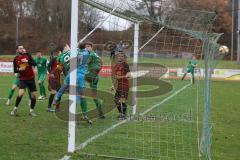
{"points": [[45, 136]]}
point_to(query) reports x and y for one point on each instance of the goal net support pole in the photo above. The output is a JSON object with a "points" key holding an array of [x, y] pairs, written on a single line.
{"points": [[155, 35], [135, 64], [135, 60], [73, 78]]}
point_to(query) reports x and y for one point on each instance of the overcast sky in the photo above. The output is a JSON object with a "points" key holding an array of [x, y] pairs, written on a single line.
{"points": [[113, 22]]}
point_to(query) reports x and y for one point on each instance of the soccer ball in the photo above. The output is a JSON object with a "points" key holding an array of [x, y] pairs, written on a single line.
{"points": [[223, 49]]}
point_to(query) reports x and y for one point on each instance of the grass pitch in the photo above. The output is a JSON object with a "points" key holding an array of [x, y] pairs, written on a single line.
{"points": [[45, 136]]}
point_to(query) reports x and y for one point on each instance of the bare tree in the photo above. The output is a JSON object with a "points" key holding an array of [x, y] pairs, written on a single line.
{"points": [[221, 7], [89, 16], [156, 9]]}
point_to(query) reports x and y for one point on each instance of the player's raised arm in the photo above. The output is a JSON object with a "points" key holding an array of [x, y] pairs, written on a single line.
{"points": [[66, 48]]}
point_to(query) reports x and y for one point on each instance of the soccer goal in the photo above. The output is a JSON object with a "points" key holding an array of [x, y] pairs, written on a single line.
{"points": [[168, 111]]}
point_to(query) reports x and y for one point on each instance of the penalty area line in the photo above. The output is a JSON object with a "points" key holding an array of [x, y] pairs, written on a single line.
{"points": [[88, 141]]}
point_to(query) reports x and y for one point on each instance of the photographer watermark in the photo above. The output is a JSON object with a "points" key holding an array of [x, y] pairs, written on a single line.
{"points": [[163, 117]]}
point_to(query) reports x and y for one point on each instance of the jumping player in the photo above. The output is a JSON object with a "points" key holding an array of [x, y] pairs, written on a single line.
{"points": [[64, 59], [121, 74], [82, 57], [192, 64], [94, 66], [23, 65], [42, 73]]}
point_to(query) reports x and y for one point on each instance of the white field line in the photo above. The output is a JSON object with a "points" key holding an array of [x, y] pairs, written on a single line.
{"points": [[84, 144], [24, 99], [66, 157]]}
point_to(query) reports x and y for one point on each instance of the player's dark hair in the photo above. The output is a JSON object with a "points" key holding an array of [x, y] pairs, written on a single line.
{"points": [[18, 46], [81, 45], [89, 43], [121, 53]]}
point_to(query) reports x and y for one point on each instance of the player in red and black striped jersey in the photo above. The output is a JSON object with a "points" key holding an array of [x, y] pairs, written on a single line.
{"points": [[55, 69], [121, 75], [23, 65]]}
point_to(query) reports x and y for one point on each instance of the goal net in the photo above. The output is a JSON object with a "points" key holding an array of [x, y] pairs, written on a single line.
{"points": [[168, 113]]}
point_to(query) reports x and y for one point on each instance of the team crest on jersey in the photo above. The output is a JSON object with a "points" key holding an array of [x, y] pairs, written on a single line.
{"points": [[23, 65], [64, 57]]}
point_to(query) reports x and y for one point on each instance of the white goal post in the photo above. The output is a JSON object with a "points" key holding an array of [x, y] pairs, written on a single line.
{"points": [[73, 77]]}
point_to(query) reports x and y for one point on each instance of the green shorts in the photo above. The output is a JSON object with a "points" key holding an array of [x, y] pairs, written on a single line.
{"points": [[16, 81], [92, 79], [190, 71], [42, 76]]}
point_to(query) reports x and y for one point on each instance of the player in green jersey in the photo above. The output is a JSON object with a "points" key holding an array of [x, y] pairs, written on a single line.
{"points": [[42, 73], [192, 64], [94, 66], [64, 59]]}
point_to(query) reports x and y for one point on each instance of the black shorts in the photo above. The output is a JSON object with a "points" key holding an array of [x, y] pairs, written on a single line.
{"points": [[121, 94], [30, 84], [53, 85]]}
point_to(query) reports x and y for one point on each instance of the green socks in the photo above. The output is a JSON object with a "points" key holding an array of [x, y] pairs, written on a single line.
{"points": [[42, 89], [97, 103], [10, 94], [29, 93], [83, 103]]}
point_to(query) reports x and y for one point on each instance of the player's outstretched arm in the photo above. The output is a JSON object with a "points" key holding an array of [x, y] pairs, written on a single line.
{"points": [[66, 48], [129, 75]]}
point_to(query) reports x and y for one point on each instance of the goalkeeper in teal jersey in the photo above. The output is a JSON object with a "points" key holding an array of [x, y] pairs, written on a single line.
{"points": [[42, 73], [192, 64], [94, 66]]}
